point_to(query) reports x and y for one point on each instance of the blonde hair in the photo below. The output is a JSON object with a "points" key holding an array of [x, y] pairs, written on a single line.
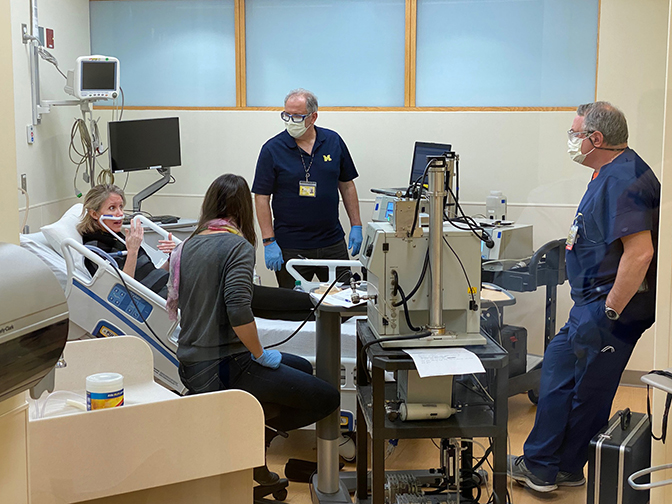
{"points": [[93, 200]]}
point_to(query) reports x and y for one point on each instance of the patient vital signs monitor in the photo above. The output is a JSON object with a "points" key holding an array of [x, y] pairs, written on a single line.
{"points": [[94, 78]]}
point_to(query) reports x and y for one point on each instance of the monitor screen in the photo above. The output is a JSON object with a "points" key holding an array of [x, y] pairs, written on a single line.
{"points": [[144, 144], [99, 75], [420, 153]]}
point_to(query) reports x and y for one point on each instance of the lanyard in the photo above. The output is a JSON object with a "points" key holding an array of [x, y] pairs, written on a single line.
{"points": [[307, 170]]}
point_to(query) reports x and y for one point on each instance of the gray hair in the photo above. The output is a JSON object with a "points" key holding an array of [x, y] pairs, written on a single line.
{"points": [[604, 117], [311, 99]]}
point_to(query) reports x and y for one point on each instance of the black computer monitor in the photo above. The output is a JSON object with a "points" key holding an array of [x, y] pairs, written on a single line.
{"points": [[144, 144], [420, 153]]}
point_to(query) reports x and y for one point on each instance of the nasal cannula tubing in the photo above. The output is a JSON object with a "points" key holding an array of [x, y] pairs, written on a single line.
{"points": [[102, 220]]}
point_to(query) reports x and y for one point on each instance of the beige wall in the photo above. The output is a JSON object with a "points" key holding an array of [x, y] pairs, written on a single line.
{"points": [[9, 227], [46, 164]]}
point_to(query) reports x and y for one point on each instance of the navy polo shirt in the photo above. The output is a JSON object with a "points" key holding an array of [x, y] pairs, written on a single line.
{"points": [[622, 200], [303, 222]]}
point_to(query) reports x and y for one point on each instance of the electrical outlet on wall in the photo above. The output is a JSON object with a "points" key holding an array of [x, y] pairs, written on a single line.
{"points": [[30, 134], [24, 182]]}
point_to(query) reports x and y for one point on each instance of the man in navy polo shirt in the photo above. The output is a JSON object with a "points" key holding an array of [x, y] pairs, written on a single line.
{"points": [[611, 267], [302, 170]]}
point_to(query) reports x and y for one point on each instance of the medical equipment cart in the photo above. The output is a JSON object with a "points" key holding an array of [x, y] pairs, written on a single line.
{"points": [[472, 421], [546, 268]]}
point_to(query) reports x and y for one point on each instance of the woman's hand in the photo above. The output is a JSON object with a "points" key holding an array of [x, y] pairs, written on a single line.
{"points": [[134, 236], [167, 246]]}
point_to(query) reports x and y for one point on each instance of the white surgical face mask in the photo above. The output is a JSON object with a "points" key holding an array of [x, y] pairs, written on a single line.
{"points": [[574, 149], [296, 130]]}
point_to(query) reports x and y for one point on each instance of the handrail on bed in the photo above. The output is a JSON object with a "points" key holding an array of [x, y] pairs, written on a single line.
{"points": [[156, 228], [69, 243]]}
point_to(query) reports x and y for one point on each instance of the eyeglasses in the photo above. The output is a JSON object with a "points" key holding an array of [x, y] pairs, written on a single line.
{"points": [[571, 134], [295, 118]]}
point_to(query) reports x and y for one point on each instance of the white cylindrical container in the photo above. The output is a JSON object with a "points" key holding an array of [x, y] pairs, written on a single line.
{"points": [[104, 390], [495, 206], [425, 411]]}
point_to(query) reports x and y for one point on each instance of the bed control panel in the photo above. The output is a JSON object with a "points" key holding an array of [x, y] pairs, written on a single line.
{"points": [[120, 298]]}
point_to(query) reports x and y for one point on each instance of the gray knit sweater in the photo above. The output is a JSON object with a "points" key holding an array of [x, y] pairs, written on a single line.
{"points": [[215, 295]]}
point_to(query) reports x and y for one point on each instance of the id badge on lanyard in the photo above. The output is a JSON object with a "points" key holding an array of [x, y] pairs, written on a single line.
{"points": [[308, 189], [573, 233]]}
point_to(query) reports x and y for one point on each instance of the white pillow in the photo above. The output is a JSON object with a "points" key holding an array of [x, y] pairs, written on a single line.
{"points": [[65, 227], [55, 262]]}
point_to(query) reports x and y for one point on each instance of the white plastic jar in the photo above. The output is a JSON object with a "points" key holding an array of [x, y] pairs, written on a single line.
{"points": [[104, 390], [495, 206]]}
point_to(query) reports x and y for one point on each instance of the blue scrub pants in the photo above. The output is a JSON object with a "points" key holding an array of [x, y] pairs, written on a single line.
{"points": [[581, 371]]}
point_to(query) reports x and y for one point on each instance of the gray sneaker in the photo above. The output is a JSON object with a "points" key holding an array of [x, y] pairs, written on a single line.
{"points": [[570, 479], [518, 471]]}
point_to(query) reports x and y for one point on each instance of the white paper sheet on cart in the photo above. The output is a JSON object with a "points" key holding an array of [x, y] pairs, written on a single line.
{"points": [[445, 361], [342, 299]]}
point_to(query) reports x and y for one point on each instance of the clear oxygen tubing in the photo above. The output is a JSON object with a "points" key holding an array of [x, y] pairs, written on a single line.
{"points": [[69, 398]]}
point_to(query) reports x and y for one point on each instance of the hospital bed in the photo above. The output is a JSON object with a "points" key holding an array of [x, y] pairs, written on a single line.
{"points": [[100, 306]]}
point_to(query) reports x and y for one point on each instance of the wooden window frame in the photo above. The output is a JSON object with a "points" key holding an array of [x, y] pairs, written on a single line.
{"points": [[411, 26]]}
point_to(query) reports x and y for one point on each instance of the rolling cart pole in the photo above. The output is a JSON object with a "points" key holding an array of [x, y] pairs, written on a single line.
{"points": [[547, 267]]}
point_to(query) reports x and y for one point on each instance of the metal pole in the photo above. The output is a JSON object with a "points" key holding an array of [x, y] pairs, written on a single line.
{"points": [[437, 193]]}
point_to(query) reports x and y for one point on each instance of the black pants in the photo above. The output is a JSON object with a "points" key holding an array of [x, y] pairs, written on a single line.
{"points": [[339, 250], [280, 304], [291, 392]]}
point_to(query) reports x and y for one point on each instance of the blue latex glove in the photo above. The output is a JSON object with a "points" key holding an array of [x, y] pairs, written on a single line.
{"points": [[273, 256], [269, 358], [355, 240]]}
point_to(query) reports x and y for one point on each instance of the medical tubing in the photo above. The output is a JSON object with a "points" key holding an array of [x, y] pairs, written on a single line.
{"points": [[102, 220], [107, 256], [407, 315], [417, 201], [56, 394], [418, 284], [338, 277], [471, 225], [362, 354], [474, 306]]}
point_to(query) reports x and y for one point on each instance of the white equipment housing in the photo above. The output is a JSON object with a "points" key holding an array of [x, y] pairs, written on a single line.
{"points": [[512, 241], [94, 78], [383, 252]]}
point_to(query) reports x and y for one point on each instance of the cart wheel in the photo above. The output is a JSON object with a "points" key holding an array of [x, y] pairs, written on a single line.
{"points": [[280, 495], [533, 395]]}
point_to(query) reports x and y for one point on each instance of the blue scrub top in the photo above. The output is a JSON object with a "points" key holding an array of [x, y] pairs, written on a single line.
{"points": [[623, 199], [303, 222]]}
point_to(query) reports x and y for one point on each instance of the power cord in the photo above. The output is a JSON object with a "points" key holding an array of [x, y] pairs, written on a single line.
{"points": [[473, 305], [312, 312]]}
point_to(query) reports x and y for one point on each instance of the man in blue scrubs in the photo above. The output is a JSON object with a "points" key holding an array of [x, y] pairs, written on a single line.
{"points": [[611, 267], [302, 170]]}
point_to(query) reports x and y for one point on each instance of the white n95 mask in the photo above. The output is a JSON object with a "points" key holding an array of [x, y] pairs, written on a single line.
{"points": [[574, 149], [296, 130]]}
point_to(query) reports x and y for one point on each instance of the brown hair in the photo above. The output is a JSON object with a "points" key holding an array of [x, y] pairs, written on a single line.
{"points": [[93, 200], [229, 197]]}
